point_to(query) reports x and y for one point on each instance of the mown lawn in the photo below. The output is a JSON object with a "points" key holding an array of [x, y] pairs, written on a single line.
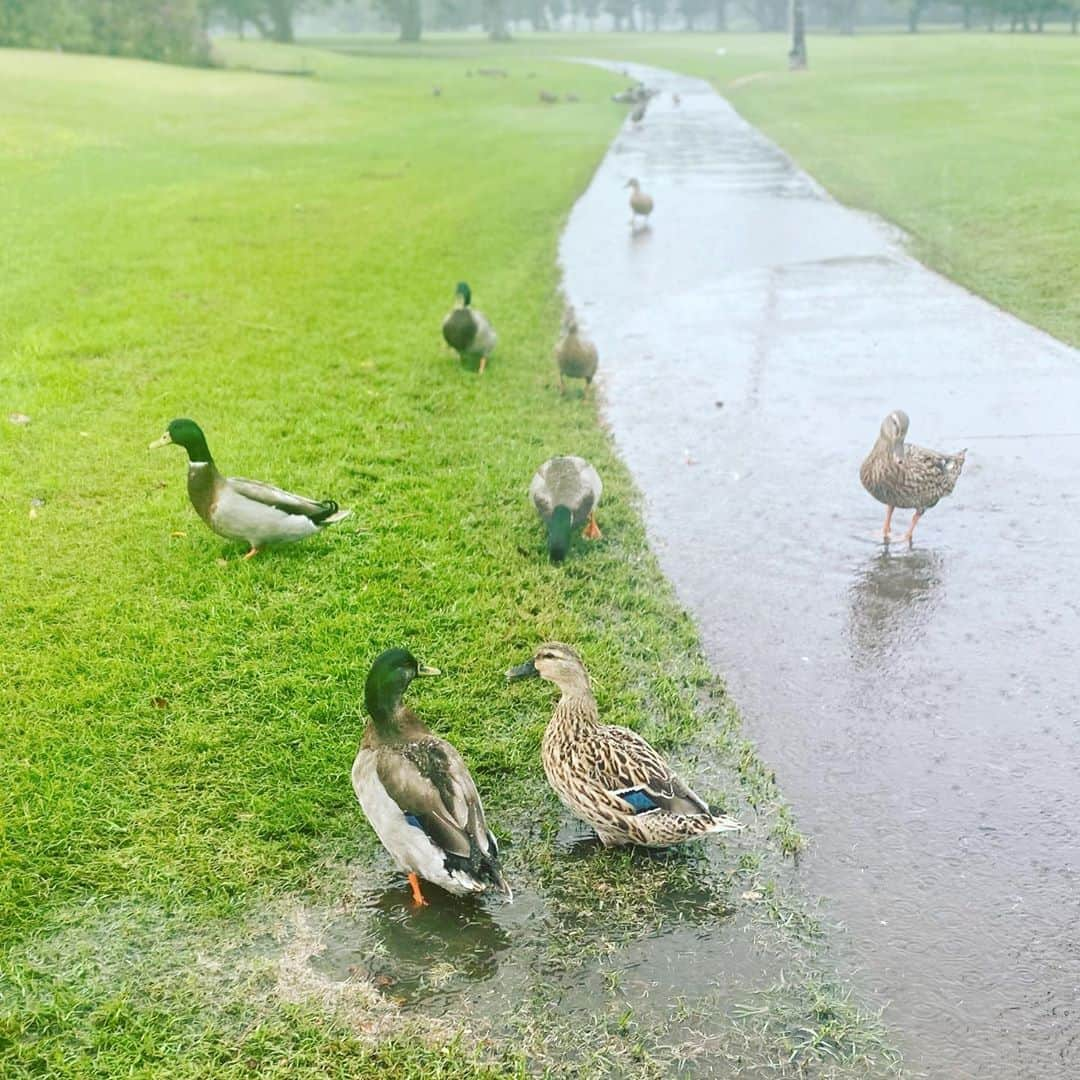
{"points": [[968, 142], [272, 256]]}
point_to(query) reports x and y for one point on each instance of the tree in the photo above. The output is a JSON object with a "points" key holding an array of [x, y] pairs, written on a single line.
{"points": [[797, 55], [495, 20], [656, 10], [721, 14], [406, 14], [691, 9], [150, 29]]}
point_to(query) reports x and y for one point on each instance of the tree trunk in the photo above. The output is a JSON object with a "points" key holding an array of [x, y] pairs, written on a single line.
{"points": [[1075, 19], [280, 12], [913, 17], [496, 20], [967, 14], [797, 55], [721, 15], [411, 24]]}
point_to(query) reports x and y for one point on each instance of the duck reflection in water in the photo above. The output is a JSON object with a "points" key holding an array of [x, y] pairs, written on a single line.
{"points": [[411, 953], [890, 599]]}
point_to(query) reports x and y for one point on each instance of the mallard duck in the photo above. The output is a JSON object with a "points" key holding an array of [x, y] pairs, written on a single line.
{"points": [[610, 776], [566, 492], [417, 791], [640, 203], [575, 355], [240, 509], [910, 477], [466, 330]]}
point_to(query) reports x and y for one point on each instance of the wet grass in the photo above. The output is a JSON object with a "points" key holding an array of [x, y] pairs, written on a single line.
{"points": [[966, 141], [273, 256]]}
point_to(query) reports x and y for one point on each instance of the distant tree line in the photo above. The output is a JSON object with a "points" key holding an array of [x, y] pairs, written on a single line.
{"points": [[840, 16], [176, 31], [170, 30]]}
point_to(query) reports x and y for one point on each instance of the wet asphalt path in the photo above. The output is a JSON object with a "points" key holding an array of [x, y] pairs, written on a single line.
{"points": [[922, 707]]}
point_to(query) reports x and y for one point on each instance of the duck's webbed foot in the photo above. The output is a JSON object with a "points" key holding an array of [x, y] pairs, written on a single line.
{"points": [[592, 530], [417, 896]]}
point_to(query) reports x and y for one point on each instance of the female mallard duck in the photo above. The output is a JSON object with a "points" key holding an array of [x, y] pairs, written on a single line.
{"points": [[610, 776], [640, 203], [566, 492], [910, 477], [417, 792], [575, 355], [241, 509], [466, 330]]}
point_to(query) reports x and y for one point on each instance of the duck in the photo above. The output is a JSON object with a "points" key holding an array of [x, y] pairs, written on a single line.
{"points": [[640, 203], [575, 354], [237, 509], [466, 330], [566, 491], [905, 476], [417, 792], [609, 776], [638, 115]]}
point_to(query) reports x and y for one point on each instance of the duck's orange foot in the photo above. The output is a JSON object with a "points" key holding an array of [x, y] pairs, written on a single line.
{"points": [[252, 553], [592, 530], [417, 896]]}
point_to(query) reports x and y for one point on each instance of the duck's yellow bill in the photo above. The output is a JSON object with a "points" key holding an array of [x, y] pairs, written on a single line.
{"points": [[427, 669], [163, 441]]}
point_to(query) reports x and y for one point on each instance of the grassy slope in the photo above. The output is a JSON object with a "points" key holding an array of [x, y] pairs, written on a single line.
{"points": [[968, 142], [273, 256]]}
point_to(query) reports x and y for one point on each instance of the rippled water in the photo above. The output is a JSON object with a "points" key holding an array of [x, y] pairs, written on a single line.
{"points": [[922, 706]]}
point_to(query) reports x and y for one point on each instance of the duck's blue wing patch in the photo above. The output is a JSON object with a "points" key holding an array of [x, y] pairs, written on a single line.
{"points": [[413, 820], [638, 799]]}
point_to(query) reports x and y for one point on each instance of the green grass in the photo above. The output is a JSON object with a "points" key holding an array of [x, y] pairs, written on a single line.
{"points": [[966, 141], [272, 256]]}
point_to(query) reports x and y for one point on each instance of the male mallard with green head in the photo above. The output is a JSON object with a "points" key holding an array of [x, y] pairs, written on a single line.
{"points": [[575, 354], [466, 330], [240, 509], [910, 477], [610, 776], [417, 791], [566, 492]]}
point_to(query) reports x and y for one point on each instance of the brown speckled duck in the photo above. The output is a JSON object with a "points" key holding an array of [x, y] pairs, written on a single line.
{"points": [[910, 477], [576, 355], [610, 776], [641, 204]]}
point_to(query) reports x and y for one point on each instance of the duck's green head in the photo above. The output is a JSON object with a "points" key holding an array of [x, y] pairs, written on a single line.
{"points": [[388, 680], [463, 293], [188, 434]]}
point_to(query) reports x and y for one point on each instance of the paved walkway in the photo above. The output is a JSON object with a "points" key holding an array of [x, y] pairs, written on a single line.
{"points": [[921, 707]]}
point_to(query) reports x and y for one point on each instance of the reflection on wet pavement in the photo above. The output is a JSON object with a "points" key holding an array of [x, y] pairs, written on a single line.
{"points": [[922, 706]]}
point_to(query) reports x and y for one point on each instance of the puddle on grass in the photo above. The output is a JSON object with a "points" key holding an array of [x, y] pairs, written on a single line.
{"points": [[921, 707], [573, 955]]}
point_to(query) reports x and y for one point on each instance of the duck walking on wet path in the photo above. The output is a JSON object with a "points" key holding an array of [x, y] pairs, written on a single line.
{"points": [[910, 477], [418, 793], [610, 776], [240, 509], [641, 205]]}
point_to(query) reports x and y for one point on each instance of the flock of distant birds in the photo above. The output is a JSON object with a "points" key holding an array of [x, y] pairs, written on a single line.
{"points": [[414, 786]]}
